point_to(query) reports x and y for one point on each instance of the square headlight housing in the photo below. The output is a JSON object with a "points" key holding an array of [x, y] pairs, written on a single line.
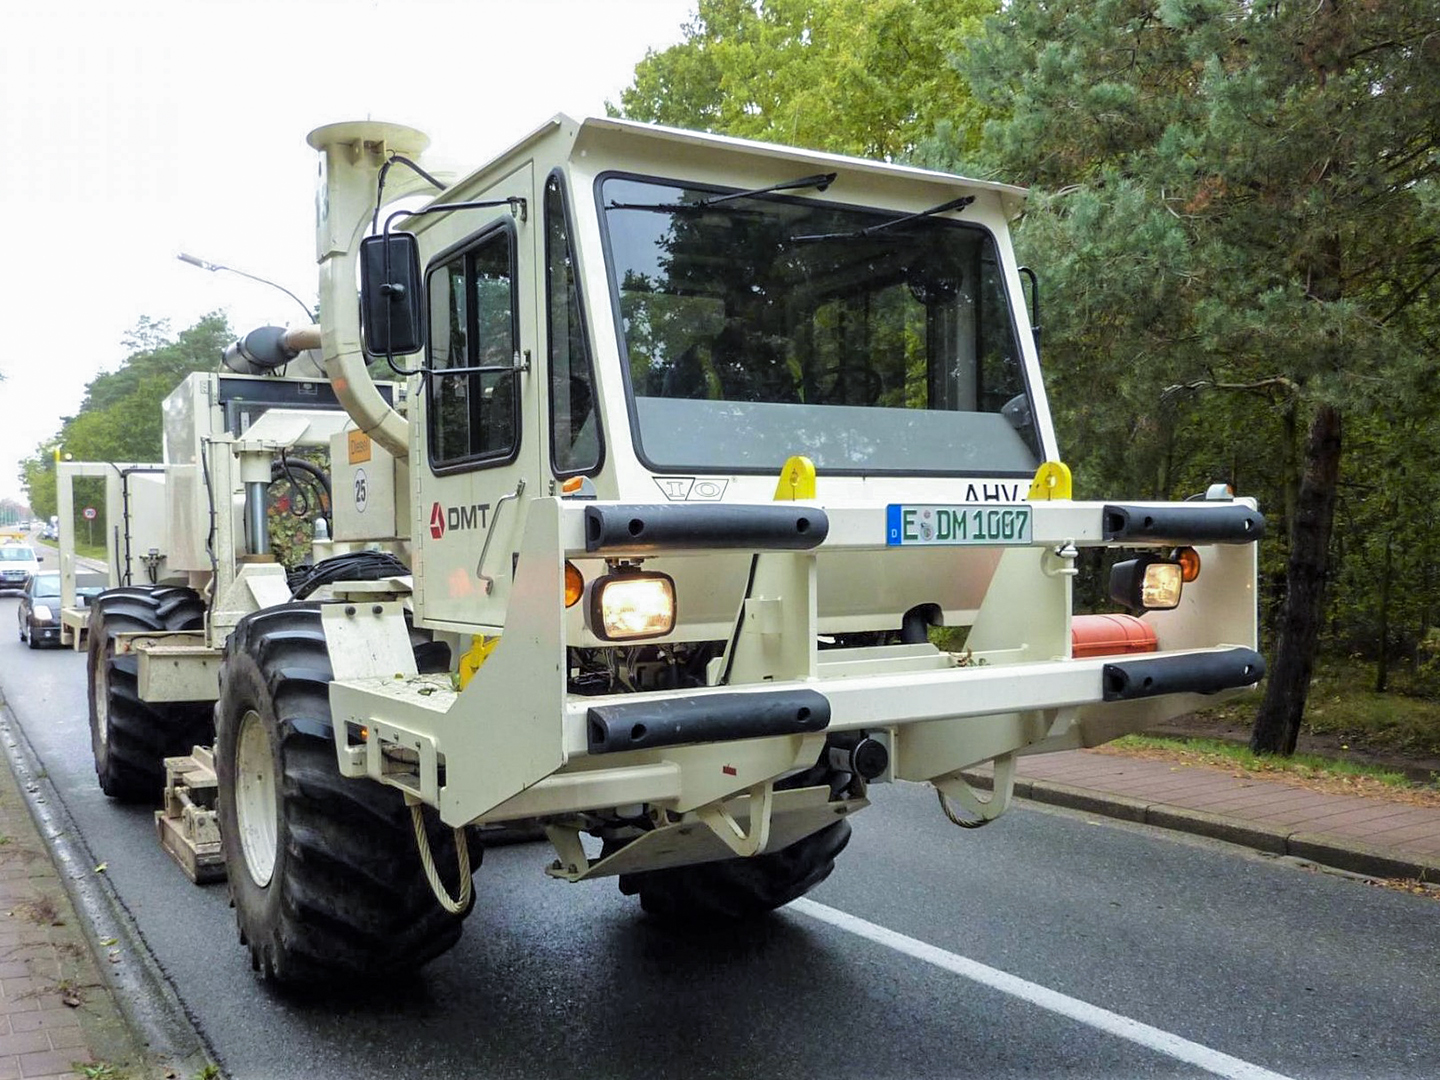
{"points": [[631, 605], [1148, 583]]}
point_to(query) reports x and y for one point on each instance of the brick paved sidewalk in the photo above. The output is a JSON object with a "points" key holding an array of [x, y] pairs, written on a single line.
{"points": [[57, 1013], [1366, 834]]}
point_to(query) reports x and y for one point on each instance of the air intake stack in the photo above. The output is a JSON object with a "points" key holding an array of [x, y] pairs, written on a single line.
{"points": [[351, 157]]}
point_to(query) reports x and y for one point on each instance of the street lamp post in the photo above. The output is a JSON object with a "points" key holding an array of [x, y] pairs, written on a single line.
{"points": [[202, 264]]}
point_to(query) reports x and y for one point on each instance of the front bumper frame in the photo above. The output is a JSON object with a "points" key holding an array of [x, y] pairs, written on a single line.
{"points": [[516, 744]]}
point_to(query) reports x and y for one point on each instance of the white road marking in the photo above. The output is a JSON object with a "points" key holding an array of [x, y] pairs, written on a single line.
{"points": [[1152, 1038]]}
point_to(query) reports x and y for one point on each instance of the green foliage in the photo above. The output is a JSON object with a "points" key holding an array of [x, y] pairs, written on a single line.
{"points": [[1385, 584], [1226, 205], [37, 473], [1343, 704], [867, 77], [103, 1070], [120, 418], [1237, 222]]}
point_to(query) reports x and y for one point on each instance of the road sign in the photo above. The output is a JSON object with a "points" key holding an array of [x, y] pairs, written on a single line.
{"points": [[89, 513]]}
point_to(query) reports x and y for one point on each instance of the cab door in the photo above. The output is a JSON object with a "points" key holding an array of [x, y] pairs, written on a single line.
{"points": [[481, 442]]}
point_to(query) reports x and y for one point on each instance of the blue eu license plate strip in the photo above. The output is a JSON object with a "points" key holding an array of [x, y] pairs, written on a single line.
{"points": [[959, 525]]}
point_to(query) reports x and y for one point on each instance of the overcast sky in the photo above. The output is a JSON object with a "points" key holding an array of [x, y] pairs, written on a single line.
{"points": [[132, 131]]}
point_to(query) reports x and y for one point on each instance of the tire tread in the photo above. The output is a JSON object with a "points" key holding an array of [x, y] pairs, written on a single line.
{"points": [[130, 758], [351, 893]]}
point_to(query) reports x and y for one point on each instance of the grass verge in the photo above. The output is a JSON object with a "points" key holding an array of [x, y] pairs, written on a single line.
{"points": [[84, 550], [1302, 770], [1343, 706]]}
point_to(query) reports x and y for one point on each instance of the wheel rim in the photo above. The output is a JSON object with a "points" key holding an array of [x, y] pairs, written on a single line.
{"points": [[101, 694], [255, 811]]}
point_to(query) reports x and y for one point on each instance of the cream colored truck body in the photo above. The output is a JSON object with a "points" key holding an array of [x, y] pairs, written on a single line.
{"points": [[518, 742]]}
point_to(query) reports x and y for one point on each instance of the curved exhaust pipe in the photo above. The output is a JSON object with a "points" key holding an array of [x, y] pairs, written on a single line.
{"points": [[352, 154], [263, 351]]}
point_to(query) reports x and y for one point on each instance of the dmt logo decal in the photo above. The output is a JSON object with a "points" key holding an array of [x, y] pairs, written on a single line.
{"points": [[443, 518]]}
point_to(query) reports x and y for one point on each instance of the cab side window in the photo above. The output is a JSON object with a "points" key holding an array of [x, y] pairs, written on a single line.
{"points": [[474, 400], [574, 411]]}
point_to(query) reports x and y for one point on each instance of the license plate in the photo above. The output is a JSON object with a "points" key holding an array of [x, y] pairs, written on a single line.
{"points": [[974, 524]]}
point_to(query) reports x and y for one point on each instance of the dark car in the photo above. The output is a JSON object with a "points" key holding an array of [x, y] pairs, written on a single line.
{"points": [[40, 605]]}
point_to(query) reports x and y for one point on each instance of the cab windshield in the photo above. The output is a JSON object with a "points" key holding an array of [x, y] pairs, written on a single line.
{"points": [[16, 553], [764, 326]]}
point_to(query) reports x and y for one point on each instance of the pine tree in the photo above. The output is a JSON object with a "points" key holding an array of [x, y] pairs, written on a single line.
{"points": [[1239, 197]]}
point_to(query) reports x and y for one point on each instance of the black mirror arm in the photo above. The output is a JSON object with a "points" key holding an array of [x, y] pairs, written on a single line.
{"points": [[394, 291]]}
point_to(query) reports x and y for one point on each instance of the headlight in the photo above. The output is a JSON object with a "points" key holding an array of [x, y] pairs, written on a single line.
{"points": [[1148, 583], [632, 604], [41, 613]]}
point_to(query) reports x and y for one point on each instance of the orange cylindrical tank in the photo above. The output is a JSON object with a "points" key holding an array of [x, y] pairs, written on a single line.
{"points": [[1110, 635]]}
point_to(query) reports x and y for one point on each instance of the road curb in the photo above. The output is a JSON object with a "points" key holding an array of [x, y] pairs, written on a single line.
{"points": [[1339, 852], [1361, 858], [1249, 834], [142, 992], [1084, 799]]}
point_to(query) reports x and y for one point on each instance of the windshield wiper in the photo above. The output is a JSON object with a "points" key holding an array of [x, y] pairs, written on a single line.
{"points": [[820, 181], [953, 204]]}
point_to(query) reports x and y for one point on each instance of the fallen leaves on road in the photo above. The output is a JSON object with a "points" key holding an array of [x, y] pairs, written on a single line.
{"points": [[1408, 885]]}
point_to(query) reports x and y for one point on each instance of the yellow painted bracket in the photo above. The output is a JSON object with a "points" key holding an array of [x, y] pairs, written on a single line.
{"points": [[477, 654], [1052, 481], [797, 480]]}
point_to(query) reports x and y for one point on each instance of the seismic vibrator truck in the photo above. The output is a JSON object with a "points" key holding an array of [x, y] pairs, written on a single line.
{"points": [[679, 489]]}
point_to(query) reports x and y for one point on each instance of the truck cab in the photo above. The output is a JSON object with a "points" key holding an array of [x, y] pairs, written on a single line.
{"points": [[671, 317]]}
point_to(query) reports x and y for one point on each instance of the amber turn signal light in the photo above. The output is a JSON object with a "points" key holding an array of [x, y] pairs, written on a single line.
{"points": [[1189, 560], [574, 584]]}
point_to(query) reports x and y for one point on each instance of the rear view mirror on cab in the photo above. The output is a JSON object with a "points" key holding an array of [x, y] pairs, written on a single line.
{"points": [[390, 295]]}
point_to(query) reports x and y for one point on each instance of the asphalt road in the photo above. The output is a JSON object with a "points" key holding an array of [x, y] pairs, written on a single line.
{"points": [[1047, 944]]}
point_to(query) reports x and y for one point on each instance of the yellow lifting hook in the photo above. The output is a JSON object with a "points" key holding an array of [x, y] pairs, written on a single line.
{"points": [[797, 480], [1052, 481]]}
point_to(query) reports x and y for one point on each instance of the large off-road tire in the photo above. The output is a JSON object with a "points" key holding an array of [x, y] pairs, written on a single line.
{"points": [[732, 890], [131, 738], [325, 873]]}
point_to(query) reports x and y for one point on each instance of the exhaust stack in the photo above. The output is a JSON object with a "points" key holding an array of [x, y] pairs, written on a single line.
{"points": [[352, 154]]}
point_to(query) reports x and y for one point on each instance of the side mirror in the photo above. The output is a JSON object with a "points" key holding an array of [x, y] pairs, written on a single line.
{"points": [[391, 315]]}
